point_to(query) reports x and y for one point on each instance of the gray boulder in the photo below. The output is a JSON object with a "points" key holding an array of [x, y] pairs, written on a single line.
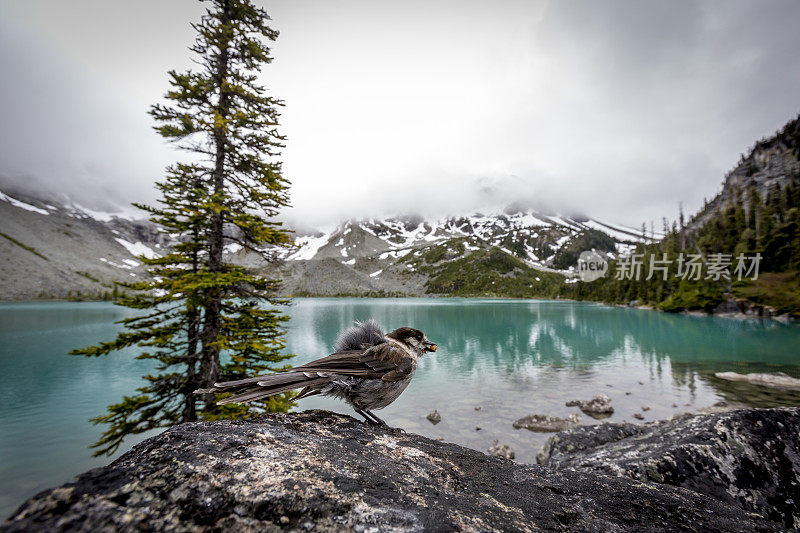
{"points": [[319, 471], [501, 450], [598, 407], [748, 458], [544, 423]]}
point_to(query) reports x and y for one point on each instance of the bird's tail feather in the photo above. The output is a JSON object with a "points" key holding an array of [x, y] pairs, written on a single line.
{"points": [[260, 387]]}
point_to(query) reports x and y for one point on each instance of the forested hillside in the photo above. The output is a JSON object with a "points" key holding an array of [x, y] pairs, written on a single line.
{"points": [[752, 224]]}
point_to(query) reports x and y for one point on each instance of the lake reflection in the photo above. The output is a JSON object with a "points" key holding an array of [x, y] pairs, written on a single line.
{"points": [[511, 358]]}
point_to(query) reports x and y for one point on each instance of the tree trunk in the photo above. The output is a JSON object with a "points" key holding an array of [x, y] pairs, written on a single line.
{"points": [[192, 329], [209, 367]]}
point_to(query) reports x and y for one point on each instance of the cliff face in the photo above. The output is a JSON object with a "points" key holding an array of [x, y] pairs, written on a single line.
{"points": [[318, 471], [770, 163]]}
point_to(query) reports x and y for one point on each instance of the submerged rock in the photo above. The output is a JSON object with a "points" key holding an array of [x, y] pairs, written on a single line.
{"points": [[598, 407], [723, 406], [776, 380], [544, 423], [320, 471], [749, 458], [434, 417], [501, 450]]}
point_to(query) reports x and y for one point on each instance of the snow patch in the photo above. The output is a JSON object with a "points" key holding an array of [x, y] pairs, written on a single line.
{"points": [[117, 265], [105, 216], [308, 246], [137, 248], [395, 254], [22, 205], [563, 240]]}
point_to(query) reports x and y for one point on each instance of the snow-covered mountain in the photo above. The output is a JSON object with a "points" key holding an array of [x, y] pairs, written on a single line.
{"points": [[406, 255], [537, 237], [52, 249]]}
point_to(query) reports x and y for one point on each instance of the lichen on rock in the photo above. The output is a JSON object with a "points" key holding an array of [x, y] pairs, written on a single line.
{"points": [[320, 471]]}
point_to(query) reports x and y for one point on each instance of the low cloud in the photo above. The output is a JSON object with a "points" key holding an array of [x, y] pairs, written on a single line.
{"points": [[616, 110]]}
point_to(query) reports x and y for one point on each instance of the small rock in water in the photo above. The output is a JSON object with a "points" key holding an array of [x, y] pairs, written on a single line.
{"points": [[434, 417], [627, 394], [477, 407], [723, 407], [775, 380], [543, 423], [645, 408], [638, 416], [641, 383], [675, 405], [597, 407], [501, 450], [477, 428]]}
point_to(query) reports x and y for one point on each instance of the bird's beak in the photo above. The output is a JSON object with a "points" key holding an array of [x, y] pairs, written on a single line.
{"points": [[430, 347]]}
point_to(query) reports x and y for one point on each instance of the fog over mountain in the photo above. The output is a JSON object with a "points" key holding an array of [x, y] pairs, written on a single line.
{"points": [[617, 110]]}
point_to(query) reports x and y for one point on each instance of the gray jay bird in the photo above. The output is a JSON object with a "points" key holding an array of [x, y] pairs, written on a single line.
{"points": [[368, 370]]}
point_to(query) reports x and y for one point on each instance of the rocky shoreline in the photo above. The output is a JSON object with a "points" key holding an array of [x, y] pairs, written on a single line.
{"points": [[320, 471], [730, 309], [748, 457]]}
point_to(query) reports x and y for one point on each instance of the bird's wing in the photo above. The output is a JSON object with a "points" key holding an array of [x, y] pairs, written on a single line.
{"points": [[383, 361]]}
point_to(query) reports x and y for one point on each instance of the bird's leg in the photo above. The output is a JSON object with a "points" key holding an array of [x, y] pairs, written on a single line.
{"points": [[367, 418], [376, 419], [384, 424], [373, 420]]}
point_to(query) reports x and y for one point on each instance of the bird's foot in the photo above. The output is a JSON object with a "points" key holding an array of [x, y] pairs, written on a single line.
{"points": [[384, 425]]}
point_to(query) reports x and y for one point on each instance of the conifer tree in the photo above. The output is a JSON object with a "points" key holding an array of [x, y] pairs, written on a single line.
{"points": [[204, 319]]}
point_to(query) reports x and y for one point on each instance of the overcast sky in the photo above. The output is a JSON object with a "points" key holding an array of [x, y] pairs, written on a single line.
{"points": [[616, 110]]}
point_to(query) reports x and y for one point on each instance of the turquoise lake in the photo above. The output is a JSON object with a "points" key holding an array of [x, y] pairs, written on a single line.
{"points": [[511, 358]]}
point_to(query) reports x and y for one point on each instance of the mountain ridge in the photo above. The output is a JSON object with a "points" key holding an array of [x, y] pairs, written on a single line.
{"points": [[63, 250]]}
